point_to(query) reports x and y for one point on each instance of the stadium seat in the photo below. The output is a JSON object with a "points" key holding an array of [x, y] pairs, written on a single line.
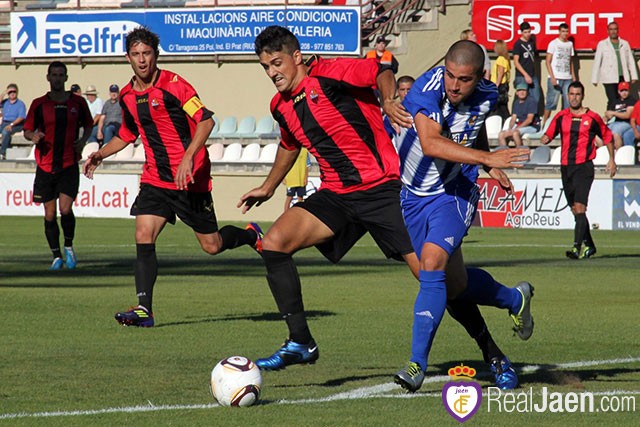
{"points": [[540, 155], [250, 153], [538, 135], [494, 125], [232, 152], [626, 155], [228, 127], [138, 154], [264, 128], [14, 153], [268, 153], [556, 156], [89, 148], [246, 128], [126, 154], [215, 151], [31, 156], [602, 156], [89, 4], [216, 127]]}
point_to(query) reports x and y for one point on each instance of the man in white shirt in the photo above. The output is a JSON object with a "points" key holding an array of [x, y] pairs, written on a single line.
{"points": [[560, 68], [95, 106], [613, 63]]}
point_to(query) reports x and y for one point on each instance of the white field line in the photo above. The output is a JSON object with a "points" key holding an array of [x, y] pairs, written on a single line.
{"points": [[376, 391]]}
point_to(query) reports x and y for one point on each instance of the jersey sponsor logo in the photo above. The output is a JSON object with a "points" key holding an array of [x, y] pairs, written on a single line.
{"points": [[142, 100], [299, 98], [192, 106]]}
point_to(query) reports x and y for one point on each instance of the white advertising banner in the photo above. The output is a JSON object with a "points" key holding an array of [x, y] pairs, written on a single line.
{"points": [[106, 196], [540, 203]]}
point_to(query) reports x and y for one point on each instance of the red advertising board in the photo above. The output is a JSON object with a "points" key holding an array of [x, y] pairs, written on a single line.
{"points": [[587, 19]]}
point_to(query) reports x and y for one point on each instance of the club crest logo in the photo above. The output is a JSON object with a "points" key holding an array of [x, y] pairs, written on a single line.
{"points": [[462, 397]]}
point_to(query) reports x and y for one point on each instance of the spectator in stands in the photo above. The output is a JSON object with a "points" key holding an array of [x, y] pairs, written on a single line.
{"points": [[14, 112], [383, 55], [95, 106], [296, 179], [76, 89], [525, 57], [53, 124], [470, 35], [501, 76], [164, 110], [524, 119], [621, 109], [110, 117], [578, 128], [561, 73], [635, 122], [613, 63]]}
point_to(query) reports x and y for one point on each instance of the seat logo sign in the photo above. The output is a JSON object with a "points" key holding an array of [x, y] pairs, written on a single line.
{"points": [[500, 23]]}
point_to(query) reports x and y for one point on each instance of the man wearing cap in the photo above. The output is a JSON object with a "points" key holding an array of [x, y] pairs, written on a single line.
{"points": [[613, 63], [524, 117], [383, 55], [76, 89], [95, 106], [110, 117], [621, 108], [13, 114]]}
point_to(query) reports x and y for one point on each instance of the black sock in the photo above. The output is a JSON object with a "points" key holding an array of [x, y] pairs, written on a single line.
{"points": [[469, 316], [579, 231], [588, 240], [232, 237], [146, 273], [52, 232], [284, 282], [68, 223]]}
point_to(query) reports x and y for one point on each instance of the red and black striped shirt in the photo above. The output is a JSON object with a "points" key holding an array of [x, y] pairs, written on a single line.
{"points": [[335, 114], [165, 117], [61, 123], [578, 135]]}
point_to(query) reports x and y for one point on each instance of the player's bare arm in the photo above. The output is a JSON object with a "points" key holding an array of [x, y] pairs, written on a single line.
{"points": [[34, 136], [435, 145], [184, 173], [95, 159], [283, 162], [392, 107], [79, 144]]}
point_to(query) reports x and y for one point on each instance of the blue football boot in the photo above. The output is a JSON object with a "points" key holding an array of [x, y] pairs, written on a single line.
{"points": [[291, 353], [505, 375]]}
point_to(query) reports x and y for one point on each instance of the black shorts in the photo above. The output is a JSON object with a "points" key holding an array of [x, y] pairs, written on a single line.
{"points": [[48, 186], [350, 216], [576, 182], [194, 209], [296, 191]]}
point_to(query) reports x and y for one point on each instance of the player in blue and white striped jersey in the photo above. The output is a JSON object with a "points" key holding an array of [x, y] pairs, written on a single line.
{"points": [[439, 158]]}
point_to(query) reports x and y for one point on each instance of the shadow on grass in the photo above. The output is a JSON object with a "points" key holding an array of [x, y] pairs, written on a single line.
{"points": [[262, 317]]}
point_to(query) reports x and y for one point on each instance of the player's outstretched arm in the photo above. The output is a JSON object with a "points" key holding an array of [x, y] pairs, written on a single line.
{"points": [[392, 107], [437, 146], [95, 159], [284, 161]]}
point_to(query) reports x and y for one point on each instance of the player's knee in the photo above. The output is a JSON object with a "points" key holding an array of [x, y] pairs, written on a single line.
{"points": [[274, 241], [212, 248]]}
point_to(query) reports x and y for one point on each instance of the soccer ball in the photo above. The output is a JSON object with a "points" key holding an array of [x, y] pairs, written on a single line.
{"points": [[236, 381]]}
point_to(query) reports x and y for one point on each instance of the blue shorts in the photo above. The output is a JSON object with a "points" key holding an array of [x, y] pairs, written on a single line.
{"points": [[442, 219]]}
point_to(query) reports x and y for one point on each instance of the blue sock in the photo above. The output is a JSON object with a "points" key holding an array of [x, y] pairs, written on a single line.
{"points": [[482, 289], [427, 314]]}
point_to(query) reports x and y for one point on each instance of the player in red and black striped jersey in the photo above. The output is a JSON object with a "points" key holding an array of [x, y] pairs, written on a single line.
{"points": [[329, 107], [578, 128], [53, 124], [165, 112]]}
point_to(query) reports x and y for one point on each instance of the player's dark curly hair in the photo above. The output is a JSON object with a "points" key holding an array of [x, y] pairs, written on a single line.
{"points": [[276, 39], [56, 64], [143, 35]]}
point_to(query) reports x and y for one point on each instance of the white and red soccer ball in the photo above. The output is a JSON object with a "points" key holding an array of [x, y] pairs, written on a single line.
{"points": [[236, 381]]}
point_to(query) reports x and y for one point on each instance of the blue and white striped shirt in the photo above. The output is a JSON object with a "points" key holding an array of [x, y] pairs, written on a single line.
{"points": [[424, 175]]}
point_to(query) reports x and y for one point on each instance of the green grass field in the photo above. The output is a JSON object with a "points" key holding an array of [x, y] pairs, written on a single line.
{"points": [[64, 361]]}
